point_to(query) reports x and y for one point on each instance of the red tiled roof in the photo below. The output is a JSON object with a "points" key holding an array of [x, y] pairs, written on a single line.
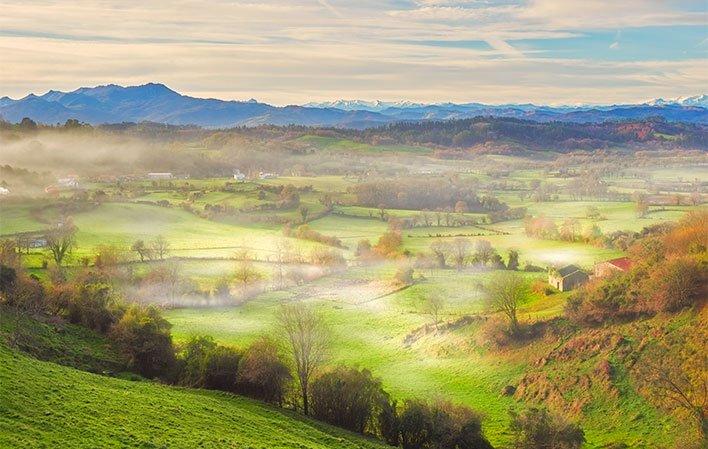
{"points": [[623, 263]]}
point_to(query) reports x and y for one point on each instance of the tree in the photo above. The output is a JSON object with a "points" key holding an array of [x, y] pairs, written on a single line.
{"points": [[504, 293], [246, 272], [28, 124], [193, 358], [483, 251], [513, 263], [143, 336], [221, 368], [262, 374], [160, 246], [142, 249], [460, 248], [439, 249], [304, 212], [569, 229], [60, 241], [306, 340], [593, 213], [461, 207], [440, 425], [433, 305], [676, 379], [382, 212], [535, 428], [389, 244], [347, 398]]}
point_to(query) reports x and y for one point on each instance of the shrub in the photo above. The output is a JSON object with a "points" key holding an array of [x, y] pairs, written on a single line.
{"points": [[8, 275], [329, 258], [262, 374], [673, 285], [441, 425], [143, 336], [221, 368], [193, 357], [535, 428], [22, 291], [600, 300], [93, 304], [304, 232], [404, 275], [347, 397], [495, 332]]}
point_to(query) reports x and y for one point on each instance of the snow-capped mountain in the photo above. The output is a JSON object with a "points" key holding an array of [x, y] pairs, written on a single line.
{"points": [[157, 103]]}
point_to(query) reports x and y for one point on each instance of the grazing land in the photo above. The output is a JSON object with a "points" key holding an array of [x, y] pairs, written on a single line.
{"points": [[395, 248]]}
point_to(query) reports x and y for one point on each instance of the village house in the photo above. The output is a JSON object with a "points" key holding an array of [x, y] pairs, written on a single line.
{"points": [[266, 175], [609, 267], [567, 277], [69, 182], [239, 176], [4, 191], [156, 176]]}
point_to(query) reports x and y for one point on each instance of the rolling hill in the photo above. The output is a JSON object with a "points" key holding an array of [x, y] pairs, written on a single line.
{"points": [[44, 404]]}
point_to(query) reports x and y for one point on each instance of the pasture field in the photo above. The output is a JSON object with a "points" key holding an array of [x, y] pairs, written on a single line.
{"points": [[372, 329], [375, 321], [49, 405]]}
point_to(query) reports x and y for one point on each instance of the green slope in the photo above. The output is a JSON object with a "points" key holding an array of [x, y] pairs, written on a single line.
{"points": [[44, 405]]}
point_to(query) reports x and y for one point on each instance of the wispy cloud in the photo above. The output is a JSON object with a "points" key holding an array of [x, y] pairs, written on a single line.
{"points": [[304, 50]]}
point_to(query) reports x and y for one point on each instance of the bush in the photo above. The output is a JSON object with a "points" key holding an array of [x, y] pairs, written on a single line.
{"points": [[673, 285], [262, 374], [93, 304], [221, 368], [535, 428], [495, 333], [601, 300], [404, 275], [442, 425], [348, 398], [21, 291], [143, 336], [193, 357]]}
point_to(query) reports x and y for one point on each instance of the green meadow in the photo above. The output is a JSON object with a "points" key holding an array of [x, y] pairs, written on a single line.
{"points": [[374, 321]]}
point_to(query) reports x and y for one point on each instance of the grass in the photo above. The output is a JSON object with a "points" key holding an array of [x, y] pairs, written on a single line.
{"points": [[48, 405], [63, 343], [368, 330]]}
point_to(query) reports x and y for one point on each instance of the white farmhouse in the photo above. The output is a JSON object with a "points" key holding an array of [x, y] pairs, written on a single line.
{"points": [[156, 176]]}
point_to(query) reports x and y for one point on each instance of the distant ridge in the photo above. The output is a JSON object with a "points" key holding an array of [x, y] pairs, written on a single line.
{"points": [[158, 103]]}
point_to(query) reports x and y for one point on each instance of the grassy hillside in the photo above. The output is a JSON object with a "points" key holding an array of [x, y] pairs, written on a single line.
{"points": [[59, 342], [48, 405]]}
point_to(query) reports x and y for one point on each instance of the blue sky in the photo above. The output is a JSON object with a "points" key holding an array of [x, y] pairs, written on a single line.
{"points": [[282, 52]]}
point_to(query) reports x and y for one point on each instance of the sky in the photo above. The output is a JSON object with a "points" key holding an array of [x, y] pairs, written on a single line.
{"points": [[295, 52]]}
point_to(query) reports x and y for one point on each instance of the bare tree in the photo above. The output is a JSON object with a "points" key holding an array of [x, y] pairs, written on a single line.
{"points": [[439, 248], [434, 305], [304, 213], [504, 293], [306, 340], [246, 272], [677, 379], [142, 249], [460, 249], [160, 246], [60, 241]]}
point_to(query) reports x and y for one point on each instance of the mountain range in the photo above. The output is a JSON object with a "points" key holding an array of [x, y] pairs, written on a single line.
{"points": [[157, 103]]}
